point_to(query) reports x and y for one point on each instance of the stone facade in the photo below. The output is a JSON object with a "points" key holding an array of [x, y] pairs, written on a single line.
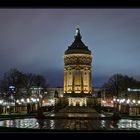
{"points": [[77, 73]]}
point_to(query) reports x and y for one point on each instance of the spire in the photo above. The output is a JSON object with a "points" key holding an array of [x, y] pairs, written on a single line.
{"points": [[77, 34]]}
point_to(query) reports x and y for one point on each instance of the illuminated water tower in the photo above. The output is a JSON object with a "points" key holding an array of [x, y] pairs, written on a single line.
{"points": [[77, 71]]}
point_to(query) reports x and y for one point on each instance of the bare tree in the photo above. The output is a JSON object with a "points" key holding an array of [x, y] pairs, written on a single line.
{"points": [[117, 84]]}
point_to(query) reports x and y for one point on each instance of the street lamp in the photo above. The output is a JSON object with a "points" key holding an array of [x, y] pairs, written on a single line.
{"points": [[118, 100], [114, 99], [22, 100], [1, 101], [134, 101], [52, 101], [128, 101], [28, 100], [17, 101]]}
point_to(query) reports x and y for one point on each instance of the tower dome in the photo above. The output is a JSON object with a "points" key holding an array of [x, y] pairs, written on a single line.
{"points": [[78, 46]]}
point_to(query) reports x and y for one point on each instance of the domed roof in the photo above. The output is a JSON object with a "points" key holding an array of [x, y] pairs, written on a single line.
{"points": [[78, 46]]}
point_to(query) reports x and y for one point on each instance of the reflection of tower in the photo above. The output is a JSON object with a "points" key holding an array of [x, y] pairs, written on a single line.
{"points": [[77, 67]]}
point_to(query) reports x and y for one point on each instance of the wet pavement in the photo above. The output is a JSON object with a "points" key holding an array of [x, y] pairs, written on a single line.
{"points": [[61, 124], [72, 121]]}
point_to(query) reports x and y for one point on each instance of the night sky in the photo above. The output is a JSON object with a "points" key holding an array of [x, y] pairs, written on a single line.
{"points": [[34, 40]]}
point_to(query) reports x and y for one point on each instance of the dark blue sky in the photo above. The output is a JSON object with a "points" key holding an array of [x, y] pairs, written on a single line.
{"points": [[34, 40]]}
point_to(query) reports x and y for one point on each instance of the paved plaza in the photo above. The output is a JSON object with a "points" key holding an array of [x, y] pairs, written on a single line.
{"points": [[77, 109]]}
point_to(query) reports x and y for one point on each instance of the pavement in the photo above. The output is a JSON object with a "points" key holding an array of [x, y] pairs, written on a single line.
{"points": [[77, 109]]}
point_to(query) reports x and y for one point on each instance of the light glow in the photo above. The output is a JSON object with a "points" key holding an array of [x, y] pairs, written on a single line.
{"points": [[114, 99], [129, 89], [22, 100], [128, 101], [134, 101], [1, 101], [28, 100], [118, 100], [17, 101]]}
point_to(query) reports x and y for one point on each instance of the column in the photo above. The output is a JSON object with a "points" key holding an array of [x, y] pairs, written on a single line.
{"points": [[69, 101], [73, 77], [90, 84], [82, 88], [65, 80]]}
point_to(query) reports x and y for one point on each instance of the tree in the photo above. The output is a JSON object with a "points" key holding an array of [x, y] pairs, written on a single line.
{"points": [[12, 78], [28, 82], [39, 80], [20, 81], [117, 84]]}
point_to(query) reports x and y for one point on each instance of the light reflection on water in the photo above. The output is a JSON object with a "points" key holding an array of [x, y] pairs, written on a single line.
{"points": [[123, 124], [129, 124], [52, 124]]}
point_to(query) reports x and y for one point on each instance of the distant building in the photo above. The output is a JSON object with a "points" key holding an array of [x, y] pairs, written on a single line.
{"points": [[52, 91]]}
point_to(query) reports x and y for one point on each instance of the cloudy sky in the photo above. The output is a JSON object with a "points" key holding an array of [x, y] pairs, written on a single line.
{"points": [[34, 40]]}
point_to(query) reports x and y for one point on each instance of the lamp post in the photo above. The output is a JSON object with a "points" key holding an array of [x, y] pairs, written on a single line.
{"points": [[1, 109], [127, 106], [114, 102], [28, 105], [12, 90]]}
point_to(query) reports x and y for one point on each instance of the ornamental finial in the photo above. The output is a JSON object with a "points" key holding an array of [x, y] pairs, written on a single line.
{"points": [[77, 34]]}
